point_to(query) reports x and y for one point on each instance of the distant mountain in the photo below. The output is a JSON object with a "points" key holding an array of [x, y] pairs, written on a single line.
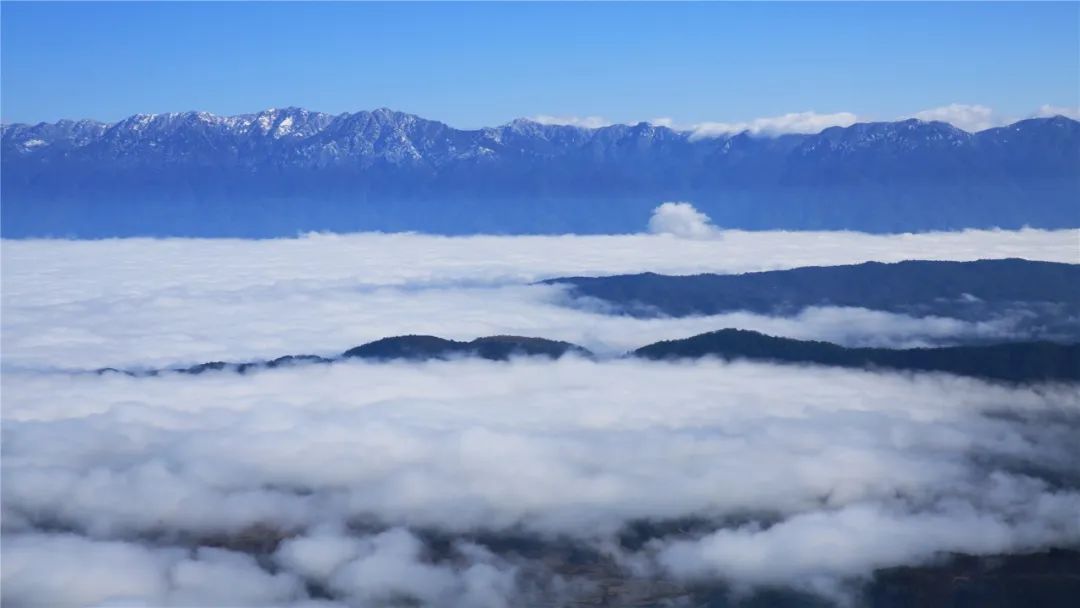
{"points": [[280, 171], [1043, 296], [1011, 362]]}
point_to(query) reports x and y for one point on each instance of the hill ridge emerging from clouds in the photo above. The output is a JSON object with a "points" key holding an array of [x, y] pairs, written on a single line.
{"points": [[1042, 296], [1017, 362]]}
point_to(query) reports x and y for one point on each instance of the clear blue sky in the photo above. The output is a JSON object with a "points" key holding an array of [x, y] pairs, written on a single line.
{"points": [[484, 64]]}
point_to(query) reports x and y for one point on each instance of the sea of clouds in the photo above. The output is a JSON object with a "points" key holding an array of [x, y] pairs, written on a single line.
{"points": [[474, 483], [131, 302]]}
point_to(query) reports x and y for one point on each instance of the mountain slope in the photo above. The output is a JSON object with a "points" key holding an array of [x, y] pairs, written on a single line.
{"points": [[1043, 296], [284, 170], [1012, 362]]}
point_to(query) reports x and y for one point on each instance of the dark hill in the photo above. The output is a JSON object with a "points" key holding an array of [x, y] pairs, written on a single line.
{"points": [[1045, 294], [1011, 362], [494, 348], [412, 347]]}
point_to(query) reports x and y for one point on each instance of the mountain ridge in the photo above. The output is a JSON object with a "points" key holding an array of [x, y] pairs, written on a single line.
{"points": [[278, 172], [1016, 362], [295, 123], [287, 112], [1047, 292], [407, 347]]}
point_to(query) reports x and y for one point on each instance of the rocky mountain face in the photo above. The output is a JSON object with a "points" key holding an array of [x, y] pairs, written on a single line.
{"points": [[292, 169]]}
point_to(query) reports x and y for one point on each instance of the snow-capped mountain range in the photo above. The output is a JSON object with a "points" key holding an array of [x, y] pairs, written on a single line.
{"points": [[879, 176], [299, 137]]}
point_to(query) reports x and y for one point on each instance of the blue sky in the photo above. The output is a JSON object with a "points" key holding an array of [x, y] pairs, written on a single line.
{"points": [[483, 64]]}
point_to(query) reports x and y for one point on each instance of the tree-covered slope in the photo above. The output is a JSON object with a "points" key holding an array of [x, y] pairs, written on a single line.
{"points": [[1047, 292], [1012, 362]]}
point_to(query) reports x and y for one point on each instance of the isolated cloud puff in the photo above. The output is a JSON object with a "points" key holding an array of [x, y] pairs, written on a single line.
{"points": [[681, 220], [796, 122], [588, 122]]}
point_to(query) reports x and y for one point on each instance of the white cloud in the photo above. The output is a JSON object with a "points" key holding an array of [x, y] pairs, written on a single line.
{"points": [[1048, 110], [863, 536], [588, 122], [681, 220], [380, 569], [92, 572], [796, 122], [88, 304], [367, 481], [320, 553], [970, 118], [217, 577], [974, 118], [573, 448], [392, 564]]}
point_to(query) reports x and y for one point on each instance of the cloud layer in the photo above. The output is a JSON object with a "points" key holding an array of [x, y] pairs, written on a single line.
{"points": [[338, 471], [476, 483], [89, 304]]}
